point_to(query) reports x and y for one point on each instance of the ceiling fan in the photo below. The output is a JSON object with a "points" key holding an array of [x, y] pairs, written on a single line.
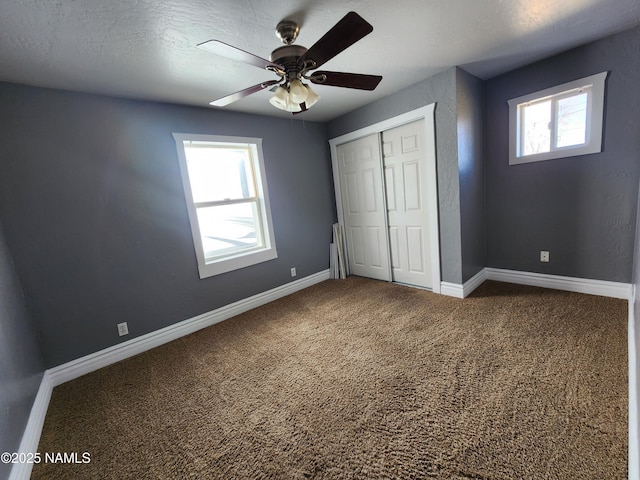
{"points": [[294, 63]]}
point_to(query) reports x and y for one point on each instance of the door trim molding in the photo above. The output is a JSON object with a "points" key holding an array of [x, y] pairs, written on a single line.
{"points": [[427, 113]]}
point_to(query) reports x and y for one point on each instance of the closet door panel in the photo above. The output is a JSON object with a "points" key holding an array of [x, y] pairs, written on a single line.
{"points": [[361, 184], [404, 155]]}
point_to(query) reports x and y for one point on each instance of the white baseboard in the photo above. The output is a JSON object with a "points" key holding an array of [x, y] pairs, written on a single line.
{"points": [[634, 443], [463, 291], [474, 282], [31, 435], [68, 371], [451, 289], [569, 284]]}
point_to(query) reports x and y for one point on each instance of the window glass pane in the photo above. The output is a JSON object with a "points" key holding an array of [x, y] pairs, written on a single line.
{"points": [[219, 173], [227, 229], [572, 120], [536, 136], [575, 126]]}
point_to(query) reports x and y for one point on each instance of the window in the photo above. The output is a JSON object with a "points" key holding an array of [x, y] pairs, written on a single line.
{"points": [[227, 201], [558, 122]]}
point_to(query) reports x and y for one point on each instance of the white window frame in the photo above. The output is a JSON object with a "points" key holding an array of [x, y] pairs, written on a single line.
{"points": [[594, 86], [208, 267]]}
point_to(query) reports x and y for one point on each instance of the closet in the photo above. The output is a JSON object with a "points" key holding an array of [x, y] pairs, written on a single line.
{"points": [[387, 203]]}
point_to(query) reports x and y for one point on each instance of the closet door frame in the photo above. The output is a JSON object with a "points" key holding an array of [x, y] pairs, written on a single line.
{"points": [[427, 113]]}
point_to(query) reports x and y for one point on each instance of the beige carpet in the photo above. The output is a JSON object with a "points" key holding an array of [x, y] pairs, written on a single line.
{"points": [[359, 379]]}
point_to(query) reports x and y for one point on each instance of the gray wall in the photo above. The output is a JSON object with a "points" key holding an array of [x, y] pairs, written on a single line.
{"points": [[581, 209], [439, 89], [21, 365], [469, 108], [95, 217]]}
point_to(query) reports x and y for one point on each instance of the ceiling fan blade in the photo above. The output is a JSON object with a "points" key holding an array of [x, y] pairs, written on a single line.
{"points": [[234, 97], [229, 51], [347, 80], [345, 33]]}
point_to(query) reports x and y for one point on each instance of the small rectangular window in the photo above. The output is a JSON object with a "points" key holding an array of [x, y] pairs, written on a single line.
{"points": [[558, 122], [227, 201]]}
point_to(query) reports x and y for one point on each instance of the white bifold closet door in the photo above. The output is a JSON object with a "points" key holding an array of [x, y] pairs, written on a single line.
{"points": [[408, 218], [385, 215], [364, 207]]}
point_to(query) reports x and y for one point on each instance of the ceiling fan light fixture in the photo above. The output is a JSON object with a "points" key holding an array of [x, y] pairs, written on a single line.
{"points": [[280, 98], [291, 98], [293, 107], [297, 91], [312, 97]]}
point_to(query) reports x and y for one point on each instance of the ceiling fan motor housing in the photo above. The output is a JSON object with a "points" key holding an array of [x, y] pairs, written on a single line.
{"points": [[288, 56]]}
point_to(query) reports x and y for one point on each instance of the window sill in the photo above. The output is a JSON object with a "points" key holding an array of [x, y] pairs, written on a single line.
{"points": [[556, 154], [229, 264]]}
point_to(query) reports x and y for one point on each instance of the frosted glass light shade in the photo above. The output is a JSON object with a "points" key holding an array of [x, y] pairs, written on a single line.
{"points": [[280, 98], [293, 107], [312, 97], [297, 91]]}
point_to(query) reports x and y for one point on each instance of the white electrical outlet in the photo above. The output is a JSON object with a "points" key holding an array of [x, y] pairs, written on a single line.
{"points": [[544, 256], [123, 329], [293, 271]]}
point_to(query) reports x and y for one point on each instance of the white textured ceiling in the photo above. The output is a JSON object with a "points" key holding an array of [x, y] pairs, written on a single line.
{"points": [[147, 48]]}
